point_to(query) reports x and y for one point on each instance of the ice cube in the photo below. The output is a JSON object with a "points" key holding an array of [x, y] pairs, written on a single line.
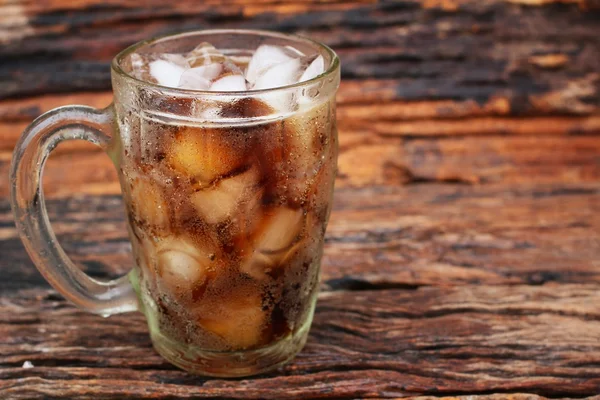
{"points": [[245, 220], [141, 64], [275, 239], [282, 74], [292, 255], [229, 67], [295, 51], [148, 202], [316, 68], [279, 230], [237, 316], [265, 57], [204, 54], [246, 107], [229, 83], [205, 154], [184, 264], [240, 61], [200, 78], [193, 80], [215, 204], [166, 73], [258, 265]]}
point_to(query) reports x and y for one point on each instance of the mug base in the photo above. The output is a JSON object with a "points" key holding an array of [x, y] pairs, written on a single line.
{"points": [[231, 364]]}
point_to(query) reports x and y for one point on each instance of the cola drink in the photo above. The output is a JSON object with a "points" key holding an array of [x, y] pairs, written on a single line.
{"points": [[227, 207]]}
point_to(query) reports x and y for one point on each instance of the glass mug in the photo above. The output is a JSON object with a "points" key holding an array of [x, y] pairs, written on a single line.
{"points": [[226, 212]]}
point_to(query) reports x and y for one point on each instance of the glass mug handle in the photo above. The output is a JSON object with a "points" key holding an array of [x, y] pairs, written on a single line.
{"points": [[31, 219]]}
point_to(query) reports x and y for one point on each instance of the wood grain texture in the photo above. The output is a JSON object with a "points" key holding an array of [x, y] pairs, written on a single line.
{"points": [[378, 237], [404, 143], [432, 341], [419, 297], [461, 50], [462, 256]]}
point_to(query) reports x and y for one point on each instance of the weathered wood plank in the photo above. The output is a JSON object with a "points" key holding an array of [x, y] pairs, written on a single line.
{"points": [[358, 100], [501, 159], [378, 237], [70, 174], [378, 158], [374, 160], [488, 126], [390, 118], [430, 234], [458, 50], [476, 124], [430, 341], [386, 137]]}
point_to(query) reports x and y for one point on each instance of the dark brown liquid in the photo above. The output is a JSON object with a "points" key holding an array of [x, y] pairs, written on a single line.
{"points": [[227, 223]]}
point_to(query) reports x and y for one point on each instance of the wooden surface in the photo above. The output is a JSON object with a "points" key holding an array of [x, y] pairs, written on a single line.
{"points": [[463, 253]]}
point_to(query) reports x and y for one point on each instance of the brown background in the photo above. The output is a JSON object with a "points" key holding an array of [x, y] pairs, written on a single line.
{"points": [[463, 254]]}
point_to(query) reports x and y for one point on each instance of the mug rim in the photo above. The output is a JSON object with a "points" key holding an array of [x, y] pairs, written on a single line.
{"points": [[116, 65]]}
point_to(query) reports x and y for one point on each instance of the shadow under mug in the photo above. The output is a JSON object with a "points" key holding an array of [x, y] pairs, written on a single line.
{"points": [[227, 194]]}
